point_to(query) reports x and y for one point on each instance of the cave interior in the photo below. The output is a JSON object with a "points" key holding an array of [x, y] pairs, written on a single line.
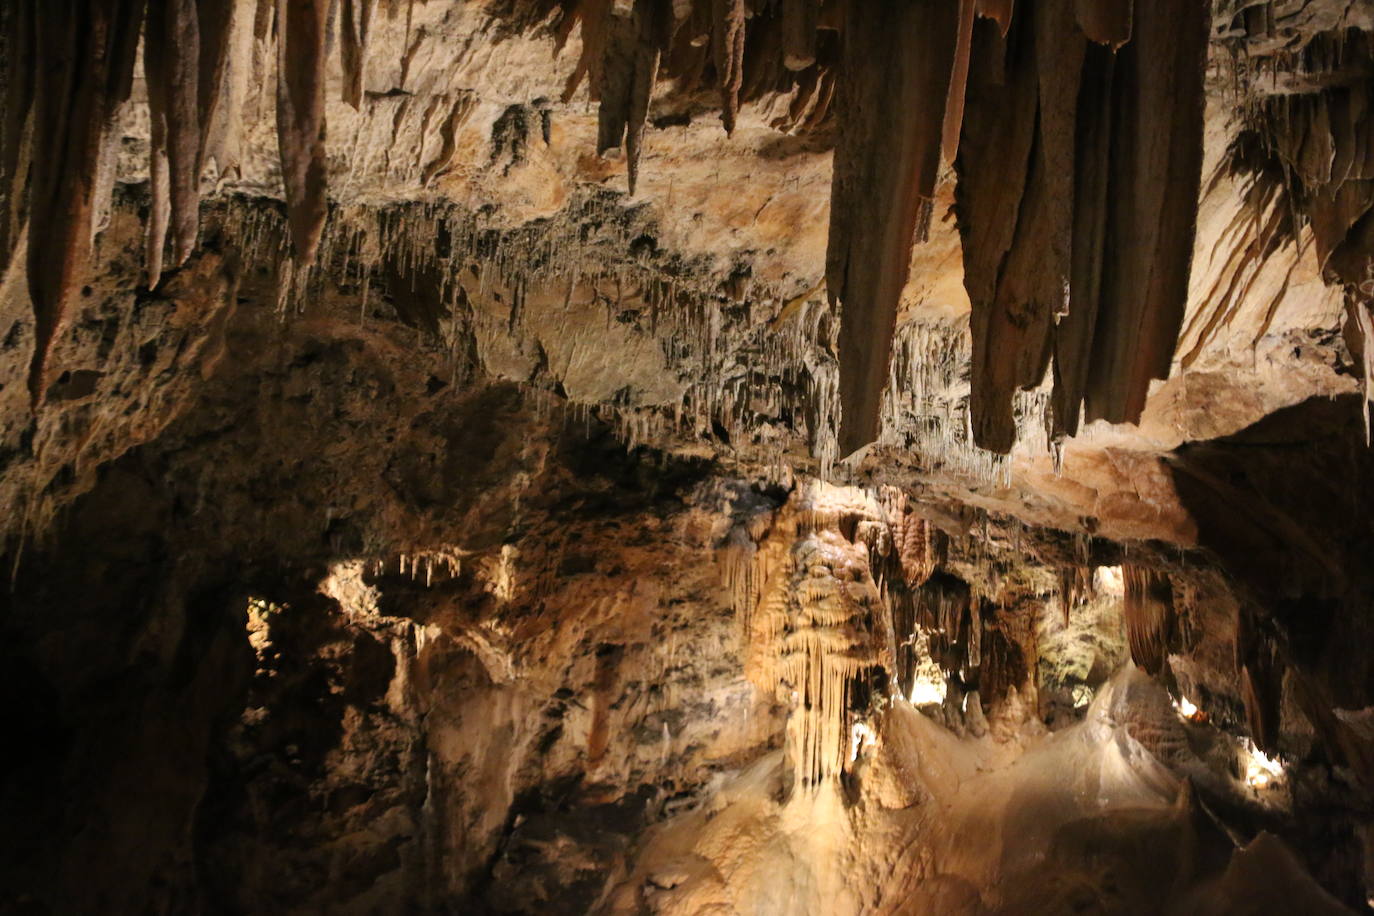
{"points": [[693, 457]]}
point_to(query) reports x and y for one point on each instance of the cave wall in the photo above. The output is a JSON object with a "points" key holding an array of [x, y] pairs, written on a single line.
{"points": [[502, 561]]}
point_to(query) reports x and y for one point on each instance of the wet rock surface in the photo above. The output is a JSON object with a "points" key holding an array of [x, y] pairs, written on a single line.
{"points": [[427, 487]]}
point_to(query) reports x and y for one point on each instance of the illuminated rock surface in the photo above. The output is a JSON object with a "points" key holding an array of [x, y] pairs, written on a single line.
{"points": [[687, 456]]}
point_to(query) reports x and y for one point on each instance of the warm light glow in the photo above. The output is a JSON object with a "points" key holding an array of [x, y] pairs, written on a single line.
{"points": [[1108, 580], [259, 626], [927, 680], [925, 691], [1261, 770], [861, 737], [1189, 710]]}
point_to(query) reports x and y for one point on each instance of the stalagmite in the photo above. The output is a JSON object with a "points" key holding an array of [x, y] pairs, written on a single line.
{"points": [[897, 60], [171, 65], [301, 37], [86, 72]]}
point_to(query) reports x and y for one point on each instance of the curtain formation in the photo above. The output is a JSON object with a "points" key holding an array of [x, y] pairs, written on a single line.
{"points": [[1074, 128]]}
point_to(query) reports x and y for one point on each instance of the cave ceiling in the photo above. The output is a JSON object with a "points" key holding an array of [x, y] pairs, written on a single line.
{"points": [[579, 311], [916, 290]]}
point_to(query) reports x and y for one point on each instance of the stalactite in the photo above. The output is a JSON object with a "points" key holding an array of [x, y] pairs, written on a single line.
{"points": [[86, 73], [1059, 51], [1073, 336], [917, 546], [800, 19], [727, 43], [1002, 218], [1159, 83], [1003, 669], [301, 39], [1110, 194], [633, 45], [897, 61], [1364, 325], [1149, 612], [593, 15], [958, 83], [221, 26], [807, 604], [227, 58], [1075, 587], [355, 22], [15, 130], [171, 65], [1000, 11], [926, 405], [1106, 22], [1260, 669], [899, 86], [945, 611]]}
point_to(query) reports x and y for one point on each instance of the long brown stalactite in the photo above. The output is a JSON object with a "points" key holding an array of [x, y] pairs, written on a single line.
{"points": [[1074, 127], [59, 109], [1073, 335], [1096, 274], [1156, 171], [301, 43], [727, 33], [1077, 239], [355, 22], [84, 74], [171, 62], [633, 50], [15, 132], [1093, 267], [1014, 234], [896, 66], [1107, 22]]}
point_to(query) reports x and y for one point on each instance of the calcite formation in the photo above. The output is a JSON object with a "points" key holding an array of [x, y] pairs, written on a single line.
{"points": [[900, 85], [686, 456]]}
